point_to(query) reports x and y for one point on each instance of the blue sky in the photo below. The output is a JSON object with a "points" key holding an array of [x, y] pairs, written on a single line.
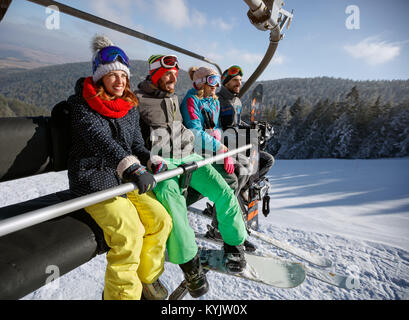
{"points": [[318, 42]]}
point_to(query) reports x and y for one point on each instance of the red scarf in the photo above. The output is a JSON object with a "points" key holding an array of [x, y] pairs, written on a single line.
{"points": [[117, 108]]}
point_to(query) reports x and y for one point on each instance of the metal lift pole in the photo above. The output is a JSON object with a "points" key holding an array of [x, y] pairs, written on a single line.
{"points": [[114, 26]]}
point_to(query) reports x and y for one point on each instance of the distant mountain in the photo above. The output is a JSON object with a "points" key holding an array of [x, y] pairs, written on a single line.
{"points": [[19, 57], [46, 86], [16, 108], [285, 92], [313, 117]]}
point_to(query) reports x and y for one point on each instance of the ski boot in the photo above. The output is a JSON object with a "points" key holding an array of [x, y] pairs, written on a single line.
{"points": [[151, 291], [235, 259], [154, 291], [195, 277]]}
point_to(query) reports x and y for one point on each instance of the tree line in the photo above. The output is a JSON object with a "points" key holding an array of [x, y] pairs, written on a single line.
{"points": [[343, 128], [16, 108], [313, 117]]}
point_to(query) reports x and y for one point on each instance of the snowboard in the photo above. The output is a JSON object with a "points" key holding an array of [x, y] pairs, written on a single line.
{"points": [[271, 271], [327, 276], [311, 257], [256, 101]]}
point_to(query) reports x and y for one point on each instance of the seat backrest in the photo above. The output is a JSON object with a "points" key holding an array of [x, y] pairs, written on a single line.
{"points": [[61, 135], [25, 144], [34, 145]]}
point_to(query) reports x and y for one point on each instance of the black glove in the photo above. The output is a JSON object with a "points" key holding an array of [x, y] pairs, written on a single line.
{"points": [[138, 174]]}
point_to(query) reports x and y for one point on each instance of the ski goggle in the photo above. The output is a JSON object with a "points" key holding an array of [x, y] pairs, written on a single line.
{"points": [[167, 62], [108, 55], [232, 71], [212, 80]]}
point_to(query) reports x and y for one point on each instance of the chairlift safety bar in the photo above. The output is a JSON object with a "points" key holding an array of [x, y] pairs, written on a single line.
{"points": [[34, 217], [114, 26]]}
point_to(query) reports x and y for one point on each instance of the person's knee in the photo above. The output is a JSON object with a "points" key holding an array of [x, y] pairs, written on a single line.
{"points": [[165, 222], [271, 160], [268, 158]]}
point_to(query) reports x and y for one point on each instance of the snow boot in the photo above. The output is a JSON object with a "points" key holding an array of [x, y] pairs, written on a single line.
{"points": [[249, 246], [154, 291], [244, 193], [235, 259], [214, 233], [210, 210], [197, 284]]}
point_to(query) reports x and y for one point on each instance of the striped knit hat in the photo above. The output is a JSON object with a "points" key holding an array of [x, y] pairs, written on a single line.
{"points": [[230, 73], [158, 72]]}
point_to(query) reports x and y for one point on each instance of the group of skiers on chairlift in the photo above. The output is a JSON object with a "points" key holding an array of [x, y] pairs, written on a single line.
{"points": [[108, 120]]}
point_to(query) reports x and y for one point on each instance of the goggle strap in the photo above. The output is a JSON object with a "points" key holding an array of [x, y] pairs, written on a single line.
{"points": [[154, 65], [161, 63], [204, 80]]}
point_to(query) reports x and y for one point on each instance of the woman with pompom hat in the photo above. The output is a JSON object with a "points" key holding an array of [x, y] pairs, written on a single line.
{"points": [[107, 149]]}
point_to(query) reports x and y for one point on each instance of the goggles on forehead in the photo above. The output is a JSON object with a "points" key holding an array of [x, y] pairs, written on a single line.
{"points": [[109, 54], [212, 80], [167, 62], [232, 71]]}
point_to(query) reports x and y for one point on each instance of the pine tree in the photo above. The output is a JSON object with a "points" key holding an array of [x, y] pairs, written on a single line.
{"points": [[353, 94]]}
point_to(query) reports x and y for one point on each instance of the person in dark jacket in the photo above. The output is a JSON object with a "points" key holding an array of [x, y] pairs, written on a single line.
{"points": [[200, 110], [168, 137], [230, 112], [108, 148]]}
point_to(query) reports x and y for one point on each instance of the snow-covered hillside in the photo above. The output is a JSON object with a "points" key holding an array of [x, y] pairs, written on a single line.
{"points": [[356, 212]]}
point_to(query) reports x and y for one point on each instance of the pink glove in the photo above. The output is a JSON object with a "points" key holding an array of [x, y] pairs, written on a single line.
{"points": [[229, 165], [228, 161], [216, 134]]}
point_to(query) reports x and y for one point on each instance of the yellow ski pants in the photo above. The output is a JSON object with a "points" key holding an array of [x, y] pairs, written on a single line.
{"points": [[136, 229]]}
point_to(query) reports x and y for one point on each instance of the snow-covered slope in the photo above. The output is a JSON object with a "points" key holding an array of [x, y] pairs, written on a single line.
{"points": [[356, 212]]}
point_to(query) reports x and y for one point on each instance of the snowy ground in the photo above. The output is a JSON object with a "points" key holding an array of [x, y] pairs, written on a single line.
{"points": [[356, 212]]}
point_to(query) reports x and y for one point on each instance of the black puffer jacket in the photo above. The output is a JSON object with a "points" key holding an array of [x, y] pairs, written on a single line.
{"points": [[99, 143], [230, 110]]}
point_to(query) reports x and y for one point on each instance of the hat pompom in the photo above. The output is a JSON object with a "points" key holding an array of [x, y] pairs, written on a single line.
{"points": [[192, 71], [99, 42]]}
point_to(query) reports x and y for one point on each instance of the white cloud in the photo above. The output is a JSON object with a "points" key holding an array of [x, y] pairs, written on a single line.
{"points": [[221, 24], [119, 12], [177, 14], [374, 51], [198, 18], [174, 12], [278, 59], [251, 58]]}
